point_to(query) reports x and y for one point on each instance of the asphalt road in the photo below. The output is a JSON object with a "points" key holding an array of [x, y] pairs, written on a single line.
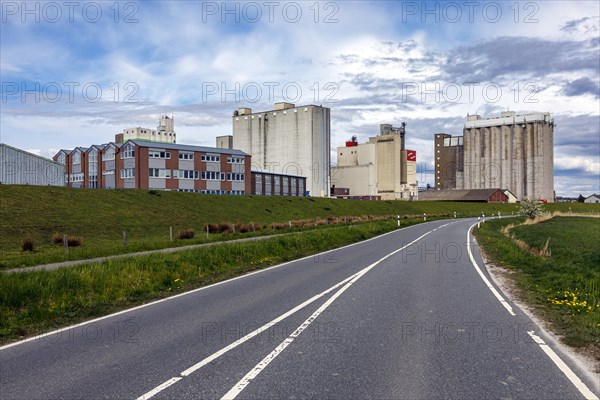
{"points": [[406, 315]]}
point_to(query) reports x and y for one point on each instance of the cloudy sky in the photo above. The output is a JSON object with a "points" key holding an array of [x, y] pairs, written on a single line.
{"points": [[76, 73]]}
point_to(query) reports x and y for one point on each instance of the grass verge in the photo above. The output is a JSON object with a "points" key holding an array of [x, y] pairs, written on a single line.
{"points": [[36, 302], [555, 266]]}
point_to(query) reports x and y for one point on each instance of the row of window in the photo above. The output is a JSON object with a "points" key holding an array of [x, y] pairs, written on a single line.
{"points": [[235, 160], [235, 177], [77, 177], [159, 154], [129, 152], [127, 173], [230, 192], [210, 158]]}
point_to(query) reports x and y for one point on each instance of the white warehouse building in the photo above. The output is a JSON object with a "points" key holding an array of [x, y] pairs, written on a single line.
{"points": [[288, 140], [19, 167]]}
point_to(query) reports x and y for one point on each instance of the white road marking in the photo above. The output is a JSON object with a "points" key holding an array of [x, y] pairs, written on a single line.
{"points": [[254, 372], [348, 281], [160, 388], [240, 341], [6, 346], [484, 278], [585, 391]]}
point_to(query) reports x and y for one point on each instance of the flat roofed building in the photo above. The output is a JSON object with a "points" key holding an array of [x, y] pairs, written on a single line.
{"points": [[288, 140]]}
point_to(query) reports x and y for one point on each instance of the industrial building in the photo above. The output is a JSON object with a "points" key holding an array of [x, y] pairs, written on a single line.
{"points": [[138, 164], [164, 132], [19, 167], [381, 168], [467, 195], [513, 152], [287, 140]]}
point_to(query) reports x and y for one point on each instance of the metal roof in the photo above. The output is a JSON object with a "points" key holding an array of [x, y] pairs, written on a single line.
{"points": [[459, 195], [186, 147]]}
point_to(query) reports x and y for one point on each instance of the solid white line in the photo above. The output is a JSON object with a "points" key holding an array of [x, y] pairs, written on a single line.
{"points": [[160, 388], [258, 368], [484, 278], [585, 391], [6, 346]]}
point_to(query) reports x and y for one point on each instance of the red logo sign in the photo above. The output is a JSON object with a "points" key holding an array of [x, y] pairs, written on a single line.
{"points": [[411, 155]]}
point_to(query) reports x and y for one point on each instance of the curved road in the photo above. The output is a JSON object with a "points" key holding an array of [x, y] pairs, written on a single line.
{"points": [[407, 315]]}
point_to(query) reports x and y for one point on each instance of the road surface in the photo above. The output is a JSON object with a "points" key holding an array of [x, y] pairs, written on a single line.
{"points": [[407, 315]]}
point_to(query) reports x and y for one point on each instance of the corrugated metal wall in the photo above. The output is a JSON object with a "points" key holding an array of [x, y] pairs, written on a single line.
{"points": [[18, 167]]}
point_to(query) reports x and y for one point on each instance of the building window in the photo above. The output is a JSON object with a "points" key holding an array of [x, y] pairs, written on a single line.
{"points": [[235, 177], [127, 173], [92, 157], [76, 159], [185, 174], [108, 172], [128, 152], [207, 158], [159, 154], [159, 173], [77, 177], [186, 156], [235, 160], [61, 159], [109, 154], [213, 176]]}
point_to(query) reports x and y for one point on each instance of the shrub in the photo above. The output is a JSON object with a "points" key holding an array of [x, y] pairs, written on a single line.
{"points": [[186, 234], [225, 228], [243, 228], [154, 192], [74, 241], [531, 208], [278, 226], [57, 238], [27, 244], [212, 228]]}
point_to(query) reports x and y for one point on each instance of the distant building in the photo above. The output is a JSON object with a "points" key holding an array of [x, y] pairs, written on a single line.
{"points": [[165, 132], [381, 167], [449, 162], [592, 199], [270, 184], [511, 197], [466, 195], [225, 142], [19, 167], [287, 140], [511, 151]]}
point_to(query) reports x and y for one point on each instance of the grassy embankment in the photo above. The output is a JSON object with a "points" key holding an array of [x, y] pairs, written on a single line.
{"points": [[556, 269], [99, 218], [34, 302]]}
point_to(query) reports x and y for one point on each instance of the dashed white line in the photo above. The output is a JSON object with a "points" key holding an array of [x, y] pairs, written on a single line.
{"points": [[258, 368], [347, 282]]}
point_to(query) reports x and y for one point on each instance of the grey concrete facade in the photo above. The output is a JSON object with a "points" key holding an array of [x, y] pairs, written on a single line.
{"points": [[514, 152], [288, 140]]}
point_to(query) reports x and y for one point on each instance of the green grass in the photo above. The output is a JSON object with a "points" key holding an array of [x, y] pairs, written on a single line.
{"points": [[565, 287], [35, 302], [100, 217]]}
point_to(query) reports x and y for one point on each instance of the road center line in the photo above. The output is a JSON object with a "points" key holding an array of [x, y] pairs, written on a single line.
{"points": [[254, 372], [484, 278], [348, 281]]}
